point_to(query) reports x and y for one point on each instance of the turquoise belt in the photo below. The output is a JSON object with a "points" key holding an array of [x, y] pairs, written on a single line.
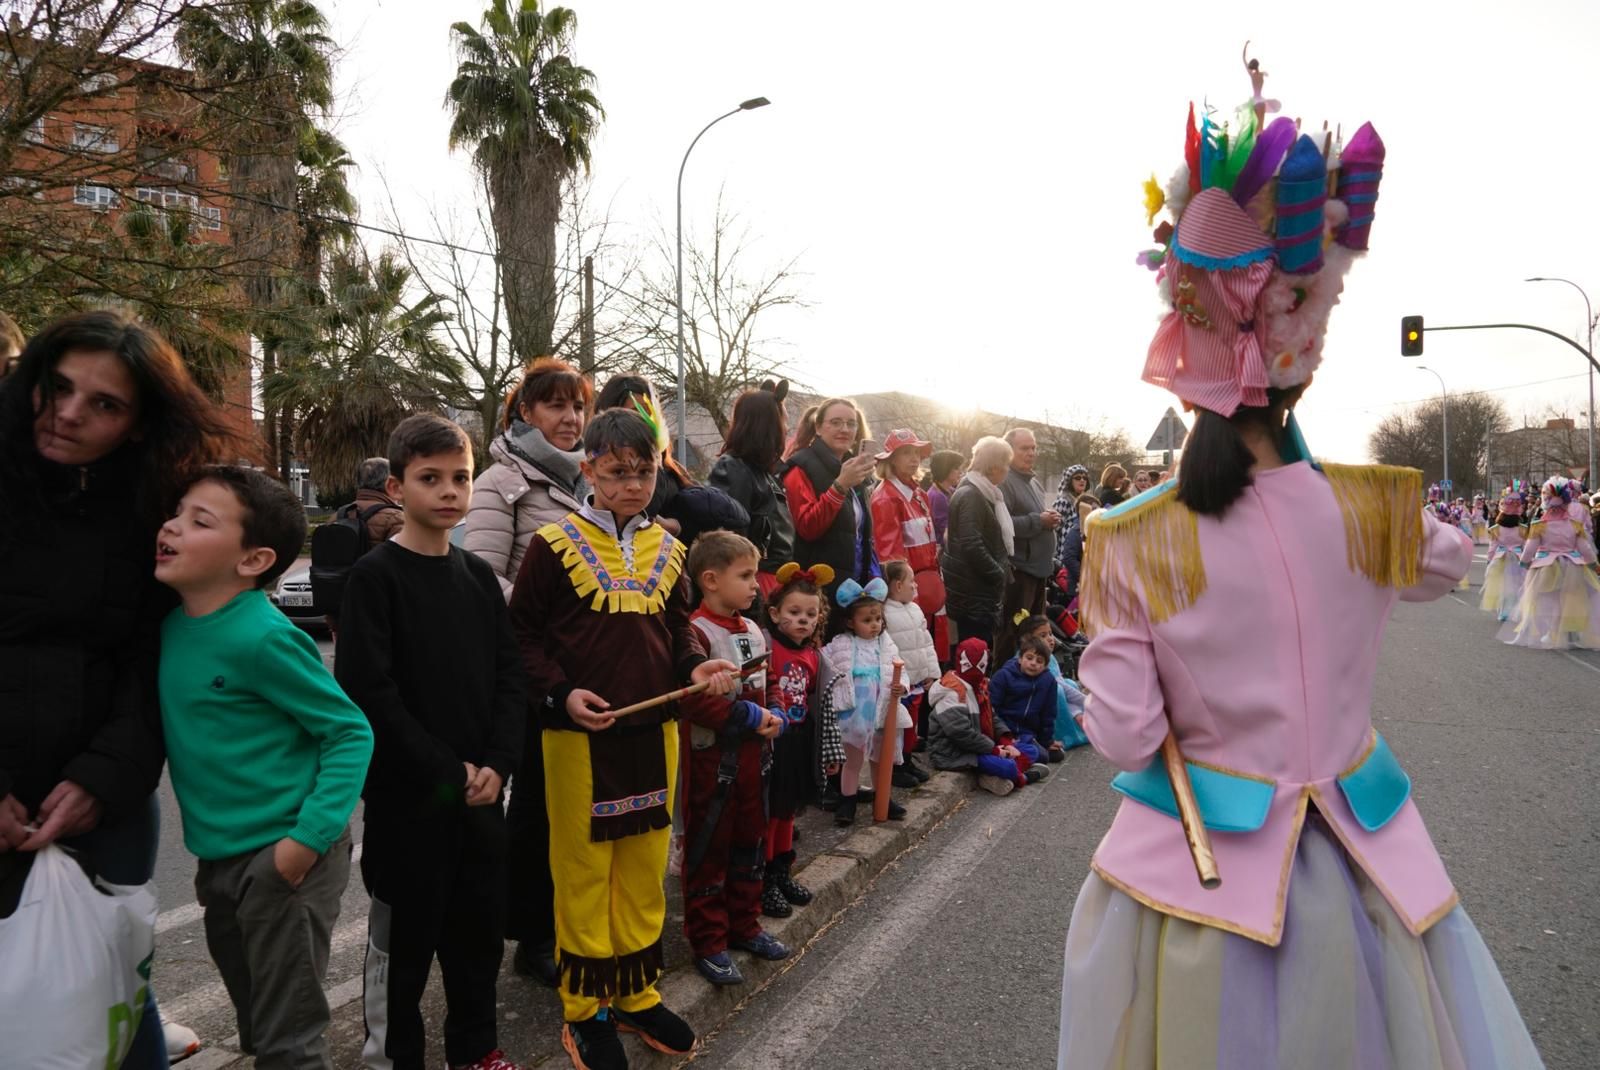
{"points": [[1376, 788]]}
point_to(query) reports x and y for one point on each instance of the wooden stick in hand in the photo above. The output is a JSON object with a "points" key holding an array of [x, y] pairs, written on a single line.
{"points": [[750, 668], [1194, 829]]}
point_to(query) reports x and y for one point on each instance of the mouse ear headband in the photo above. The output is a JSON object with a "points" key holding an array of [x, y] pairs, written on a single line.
{"points": [[779, 390], [817, 575]]}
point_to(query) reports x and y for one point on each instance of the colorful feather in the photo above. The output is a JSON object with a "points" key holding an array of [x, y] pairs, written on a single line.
{"points": [[1239, 146], [1265, 157], [1191, 152]]}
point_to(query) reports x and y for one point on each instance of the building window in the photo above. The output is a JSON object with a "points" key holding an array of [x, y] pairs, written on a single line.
{"points": [[210, 217], [93, 138], [94, 196], [28, 185], [96, 82], [35, 132], [165, 198]]}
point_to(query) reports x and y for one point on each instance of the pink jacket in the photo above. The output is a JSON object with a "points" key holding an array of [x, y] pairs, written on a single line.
{"points": [[1558, 537], [1267, 676], [1506, 542]]}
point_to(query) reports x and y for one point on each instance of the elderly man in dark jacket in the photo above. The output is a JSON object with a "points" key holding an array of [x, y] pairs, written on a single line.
{"points": [[1033, 559], [976, 563]]}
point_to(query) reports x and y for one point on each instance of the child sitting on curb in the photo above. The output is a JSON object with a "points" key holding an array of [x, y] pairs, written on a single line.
{"points": [[1024, 697], [1070, 699], [963, 735]]}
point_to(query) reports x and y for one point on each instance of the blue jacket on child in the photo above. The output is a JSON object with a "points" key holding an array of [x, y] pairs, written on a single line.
{"points": [[1026, 704]]}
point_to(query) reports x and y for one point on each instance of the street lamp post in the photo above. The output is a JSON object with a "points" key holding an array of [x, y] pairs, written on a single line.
{"points": [[1588, 319], [1444, 420], [683, 401]]}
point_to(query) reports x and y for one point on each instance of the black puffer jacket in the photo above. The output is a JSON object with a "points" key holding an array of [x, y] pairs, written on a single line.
{"points": [[974, 563], [695, 507], [80, 615], [764, 498]]}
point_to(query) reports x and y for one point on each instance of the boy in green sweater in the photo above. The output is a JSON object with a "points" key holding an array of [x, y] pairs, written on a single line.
{"points": [[266, 755]]}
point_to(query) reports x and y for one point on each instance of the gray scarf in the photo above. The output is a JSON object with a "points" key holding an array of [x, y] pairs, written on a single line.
{"points": [[528, 444]]}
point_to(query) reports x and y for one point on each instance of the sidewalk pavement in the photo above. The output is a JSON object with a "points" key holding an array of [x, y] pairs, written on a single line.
{"points": [[836, 864]]}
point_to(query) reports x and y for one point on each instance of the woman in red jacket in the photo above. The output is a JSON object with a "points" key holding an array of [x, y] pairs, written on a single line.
{"points": [[902, 526]]}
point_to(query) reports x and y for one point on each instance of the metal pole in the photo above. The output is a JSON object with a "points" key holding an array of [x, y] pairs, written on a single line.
{"points": [[683, 401], [1588, 321], [1444, 418]]}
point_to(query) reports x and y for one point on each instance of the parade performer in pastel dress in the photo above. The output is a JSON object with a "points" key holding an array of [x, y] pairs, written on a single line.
{"points": [[1502, 580], [1237, 608], [1480, 520], [1560, 604]]}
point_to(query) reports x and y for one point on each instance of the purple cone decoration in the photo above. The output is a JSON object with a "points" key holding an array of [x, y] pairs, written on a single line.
{"points": [[1360, 171], [1264, 160], [1302, 191]]}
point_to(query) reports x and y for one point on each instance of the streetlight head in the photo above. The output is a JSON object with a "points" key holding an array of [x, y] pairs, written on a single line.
{"points": [[1537, 278], [753, 103]]}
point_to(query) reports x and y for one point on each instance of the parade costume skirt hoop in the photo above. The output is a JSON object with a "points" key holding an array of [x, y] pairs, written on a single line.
{"points": [[1349, 988], [1560, 607]]}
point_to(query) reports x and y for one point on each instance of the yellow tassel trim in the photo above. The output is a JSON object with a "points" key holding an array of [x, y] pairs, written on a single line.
{"points": [[594, 563], [1157, 544], [1382, 510]]}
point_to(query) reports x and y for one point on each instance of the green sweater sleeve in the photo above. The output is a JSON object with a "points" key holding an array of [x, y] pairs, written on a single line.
{"points": [[291, 676]]}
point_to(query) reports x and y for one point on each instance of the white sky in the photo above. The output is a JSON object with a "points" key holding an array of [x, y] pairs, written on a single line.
{"points": [[962, 181]]}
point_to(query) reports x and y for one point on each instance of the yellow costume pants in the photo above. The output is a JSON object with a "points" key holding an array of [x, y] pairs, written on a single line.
{"points": [[610, 897]]}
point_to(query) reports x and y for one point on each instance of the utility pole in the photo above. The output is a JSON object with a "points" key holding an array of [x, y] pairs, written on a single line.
{"points": [[586, 337]]}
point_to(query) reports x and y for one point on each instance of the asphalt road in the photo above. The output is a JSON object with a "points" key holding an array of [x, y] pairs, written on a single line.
{"points": [[953, 958]]}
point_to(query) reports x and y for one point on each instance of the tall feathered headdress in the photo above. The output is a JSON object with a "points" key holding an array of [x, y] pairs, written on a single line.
{"points": [[1266, 220]]}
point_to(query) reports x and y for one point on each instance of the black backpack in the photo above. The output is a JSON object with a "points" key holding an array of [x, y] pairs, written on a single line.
{"points": [[335, 546]]}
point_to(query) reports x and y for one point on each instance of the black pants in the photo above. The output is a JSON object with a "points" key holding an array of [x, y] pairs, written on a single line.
{"points": [[974, 628], [1024, 594], [438, 887], [531, 893]]}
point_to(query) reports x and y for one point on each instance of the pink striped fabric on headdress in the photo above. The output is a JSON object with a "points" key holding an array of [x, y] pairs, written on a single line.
{"points": [[1208, 350]]}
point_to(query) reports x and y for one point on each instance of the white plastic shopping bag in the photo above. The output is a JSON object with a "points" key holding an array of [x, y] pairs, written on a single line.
{"points": [[74, 968]]}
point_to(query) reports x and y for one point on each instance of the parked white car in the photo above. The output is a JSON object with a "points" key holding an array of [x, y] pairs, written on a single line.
{"points": [[293, 591]]}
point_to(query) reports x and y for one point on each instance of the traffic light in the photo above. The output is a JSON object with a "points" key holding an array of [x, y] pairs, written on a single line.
{"points": [[1411, 336]]}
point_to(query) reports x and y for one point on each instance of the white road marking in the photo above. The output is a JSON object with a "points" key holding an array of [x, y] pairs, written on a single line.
{"points": [[1579, 661], [831, 996], [178, 917]]}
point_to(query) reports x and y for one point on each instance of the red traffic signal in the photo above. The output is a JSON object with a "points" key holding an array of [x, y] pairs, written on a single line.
{"points": [[1411, 336]]}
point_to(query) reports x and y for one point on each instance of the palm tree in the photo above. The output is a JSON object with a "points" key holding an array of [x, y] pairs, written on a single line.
{"points": [[529, 114], [266, 64], [371, 358]]}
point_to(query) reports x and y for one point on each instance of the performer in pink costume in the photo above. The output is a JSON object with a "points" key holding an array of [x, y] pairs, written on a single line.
{"points": [[1502, 580], [1240, 608], [1560, 605]]}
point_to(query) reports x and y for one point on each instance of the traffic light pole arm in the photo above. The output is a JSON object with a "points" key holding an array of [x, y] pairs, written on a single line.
{"points": [[1520, 327]]}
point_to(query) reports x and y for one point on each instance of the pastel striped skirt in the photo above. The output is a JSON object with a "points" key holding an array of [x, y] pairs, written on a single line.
{"points": [[1348, 988]]}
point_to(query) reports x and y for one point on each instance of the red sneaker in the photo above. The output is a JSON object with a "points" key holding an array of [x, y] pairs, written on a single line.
{"points": [[495, 1060]]}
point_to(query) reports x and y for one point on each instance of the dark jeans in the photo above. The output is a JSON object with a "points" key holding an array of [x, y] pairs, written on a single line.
{"points": [[974, 628], [270, 943], [531, 893], [1024, 594]]}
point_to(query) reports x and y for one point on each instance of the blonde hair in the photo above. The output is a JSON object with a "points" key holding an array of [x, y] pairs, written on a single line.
{"points": [[991, 452], [1110, 472]]}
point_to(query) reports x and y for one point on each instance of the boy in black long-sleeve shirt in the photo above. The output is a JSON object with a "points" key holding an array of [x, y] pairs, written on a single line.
{"points": [[425, 648]]}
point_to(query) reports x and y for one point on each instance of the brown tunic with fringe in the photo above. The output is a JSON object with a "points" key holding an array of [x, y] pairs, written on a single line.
{"points": [[626, 651]]}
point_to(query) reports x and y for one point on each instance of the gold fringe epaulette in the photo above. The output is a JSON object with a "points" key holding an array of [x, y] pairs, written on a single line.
{"points": [[1382, 510], [595, 566], [1154, 543]]}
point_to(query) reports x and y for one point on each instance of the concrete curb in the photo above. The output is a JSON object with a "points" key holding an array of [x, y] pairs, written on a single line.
{"points": [[836, 878]]}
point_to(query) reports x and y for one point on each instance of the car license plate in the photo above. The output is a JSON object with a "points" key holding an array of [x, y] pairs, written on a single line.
{"points": [[295, 598]]}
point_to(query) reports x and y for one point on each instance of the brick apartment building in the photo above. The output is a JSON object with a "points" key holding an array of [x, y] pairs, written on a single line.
{"points": [[124, 136]]}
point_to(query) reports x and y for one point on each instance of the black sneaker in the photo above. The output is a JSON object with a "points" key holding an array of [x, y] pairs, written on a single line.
{"points": [[922, 775], [903, 777], [537, 961], [844, 814], [764, 945], [719, 969], [896, 811], [1036, 773], [593, 1044], [657, 1027], [774, 904]]}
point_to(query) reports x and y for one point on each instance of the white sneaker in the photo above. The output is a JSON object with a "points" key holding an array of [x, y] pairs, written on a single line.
{"points": [[182, 1041], [996, 785]]}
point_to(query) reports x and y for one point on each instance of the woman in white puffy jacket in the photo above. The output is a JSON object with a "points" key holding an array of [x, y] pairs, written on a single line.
{"points": [[535, 478]]}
